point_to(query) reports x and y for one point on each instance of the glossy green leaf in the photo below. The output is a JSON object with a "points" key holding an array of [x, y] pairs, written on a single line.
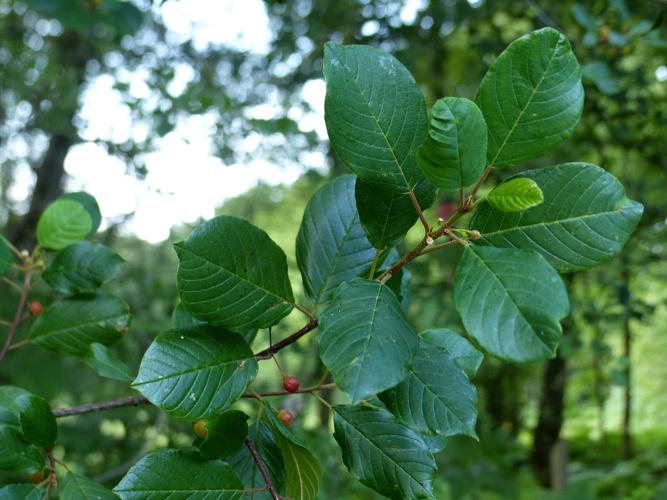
{"points": [[454, 154], [33, 414], [400, 280], [302, 470], [6, 256], [16, 455], [511, 301], [387, 214], [100, 359], [531, 97], [226, 434], [196, 373], [183, 320], [63, 222], [365, 340], [331, 246], [91, 206], [585, 218], [70, 325], [459, 348], [21, 491], [436, 396], [233, 275], [78, 487], [82, 268], [375, 114], [243, 464], [176, 475], [384, 454], [515, 195]]}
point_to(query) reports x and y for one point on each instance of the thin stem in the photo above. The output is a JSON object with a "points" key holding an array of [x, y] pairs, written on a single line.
{"points": [[11, 283], [455, 237], [52, 469], [267, 353], [5, 322], [462, 198], [19, 313], [19, 344], [480, 181], [305, 390], [304, 311], [435, 248], [371, 273], [262, 469], [280, 368], [415, 203], [412, 254], [321, 400], [15, 250]]}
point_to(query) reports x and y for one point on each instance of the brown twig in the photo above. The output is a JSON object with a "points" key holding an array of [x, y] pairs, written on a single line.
{"points": [[270, 351], [262, 469], [419, 211], [19, 313]]}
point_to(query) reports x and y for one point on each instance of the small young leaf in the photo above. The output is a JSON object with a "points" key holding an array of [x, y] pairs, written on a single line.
{"points": [[331, 246], [531, 97], [585, 219], [511, 301], [82, 268], [384, 454], [70, 325], [232, 274], [63, 222], [6, 256], [91, 206], [175, 474], [196, 373], [226, 434], [77, 487], [33, 415], [459, 348], [516, 195], [365, 339], [100, 360], [454, 154]]}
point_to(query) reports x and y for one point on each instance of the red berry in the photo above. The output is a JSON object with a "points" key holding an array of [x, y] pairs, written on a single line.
{"points": [[286, 417], [36, 308], [291, 384]]}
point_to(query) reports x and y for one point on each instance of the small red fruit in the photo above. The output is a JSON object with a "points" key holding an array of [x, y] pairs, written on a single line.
{"points": [[36, 477], [36, 308], [286, 417], [200, 428], [290, 383]]}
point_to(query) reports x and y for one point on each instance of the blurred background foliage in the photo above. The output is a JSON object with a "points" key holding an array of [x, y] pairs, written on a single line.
{"points": [[602, 399]]}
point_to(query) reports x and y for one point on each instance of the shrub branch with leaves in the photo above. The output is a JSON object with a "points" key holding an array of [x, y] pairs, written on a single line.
{"points": [[406, 391]]}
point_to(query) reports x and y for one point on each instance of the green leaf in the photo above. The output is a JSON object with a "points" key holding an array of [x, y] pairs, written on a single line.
{"points": [[400, 280], [70, 325], [21, 491], [436, 396], [331, 246], [454, 154], [244, 465], [233, 275], [16, 455], [375, 114], [531, 98], [33, 414], [382, 453], [226, 434], [365, 340], [515, 195], [82, 268], [511, 301], [459, 348], [302, 470], [196, 373], [183, 320], [91, 206], [63, 222], [176, 475], [387, 214], [585, 219], [100, 360], [77, 487], [6, 256]]}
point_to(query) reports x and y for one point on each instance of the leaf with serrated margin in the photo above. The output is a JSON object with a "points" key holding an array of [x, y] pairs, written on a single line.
{"points": [[459, 348], [436, 397], [196, 373], [70, 325], [531, 97], [33, 415], [6, 256], [585, 218], [90, 204], [82, 268], [365, 340], [78, 487], [382, 453], [511, 302], [515, 195], [454, 154], [176, 475], [63, 222], [232, 274], [331, 246], [375, 114]]}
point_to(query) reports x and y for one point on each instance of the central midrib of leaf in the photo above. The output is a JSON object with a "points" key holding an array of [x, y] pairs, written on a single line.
{"points": [[296, 466], [528, 103], [192, 370], [371, 324], [336, 258], [435, 395], [97, 322]]}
